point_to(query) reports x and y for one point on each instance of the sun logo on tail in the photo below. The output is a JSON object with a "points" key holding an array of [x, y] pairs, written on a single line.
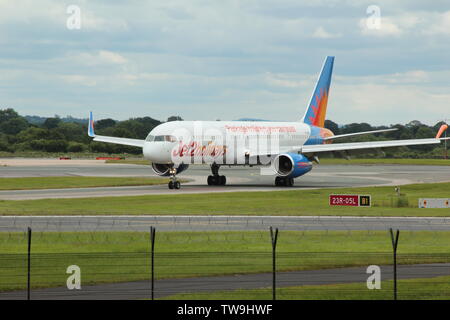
{"points": [[319, 108]]}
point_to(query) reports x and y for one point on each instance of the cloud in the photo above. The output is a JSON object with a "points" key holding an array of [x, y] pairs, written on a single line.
{"points": [[387, 104], [440, 25], [386, 28], [111, 57], [226, 59], [322, 34], [100, 57], [80, 80], [413, 76]]}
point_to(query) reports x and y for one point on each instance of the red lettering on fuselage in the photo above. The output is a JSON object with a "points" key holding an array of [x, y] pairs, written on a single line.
{"points": [[196, 149]]}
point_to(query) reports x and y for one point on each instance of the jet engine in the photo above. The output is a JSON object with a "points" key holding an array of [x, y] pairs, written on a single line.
{"points": [[292, 165]]}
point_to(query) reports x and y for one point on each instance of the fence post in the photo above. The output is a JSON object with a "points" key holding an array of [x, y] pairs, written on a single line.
{"points": [[29, 265], [394, 247], [152, 239], [274, 237]]}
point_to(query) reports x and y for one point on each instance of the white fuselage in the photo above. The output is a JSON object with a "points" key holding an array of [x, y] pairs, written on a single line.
{"points": [[222, 142]]}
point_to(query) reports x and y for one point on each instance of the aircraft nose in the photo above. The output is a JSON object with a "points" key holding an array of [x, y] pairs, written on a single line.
{"points": [[156, 152]]}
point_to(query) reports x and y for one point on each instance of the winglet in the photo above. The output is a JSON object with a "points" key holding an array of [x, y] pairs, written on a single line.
{"points": [[441, 130], [91, 132]]}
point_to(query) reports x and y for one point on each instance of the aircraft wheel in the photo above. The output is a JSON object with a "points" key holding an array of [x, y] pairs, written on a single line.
{"points": [[289, 182], [278, 181], [210, 180], [170, 184], [177, 185], [223, 180]]}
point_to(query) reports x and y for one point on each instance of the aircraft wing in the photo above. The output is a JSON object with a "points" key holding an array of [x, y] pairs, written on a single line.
{"points": [[366, 145], [358, 133], [115, 140], [123, 141], [371, 144]]}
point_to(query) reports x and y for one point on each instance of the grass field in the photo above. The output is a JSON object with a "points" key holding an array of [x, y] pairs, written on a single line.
{"points": [[124, 256], [75, 182], [295, 202], [437, 288]]}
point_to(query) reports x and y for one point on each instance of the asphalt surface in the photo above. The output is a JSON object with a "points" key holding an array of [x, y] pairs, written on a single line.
{"points": [[238, 179], [204, 285], [218, 223]]}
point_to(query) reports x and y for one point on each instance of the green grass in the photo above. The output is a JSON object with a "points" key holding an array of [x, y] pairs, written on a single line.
{"points": [[378, 161], [294, 202], [124, 256], [437, 288], [74, 182]]}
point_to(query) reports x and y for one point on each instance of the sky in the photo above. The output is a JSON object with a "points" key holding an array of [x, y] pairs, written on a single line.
{"points": [[226, 59]]}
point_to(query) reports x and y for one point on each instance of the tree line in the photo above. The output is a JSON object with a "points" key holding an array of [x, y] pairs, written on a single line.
{"points": [[17, 134], [61, 135], [412, 130]]}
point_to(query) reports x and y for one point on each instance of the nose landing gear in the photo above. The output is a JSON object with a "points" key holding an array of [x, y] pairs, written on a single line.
{"points": [[216, 179], [173, 183]]}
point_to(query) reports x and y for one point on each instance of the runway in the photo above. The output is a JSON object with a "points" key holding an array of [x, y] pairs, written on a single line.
{"points": [[218, 223], [166, 287], [239, 179]]}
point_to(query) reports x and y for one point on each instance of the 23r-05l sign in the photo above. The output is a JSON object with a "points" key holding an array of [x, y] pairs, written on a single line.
{"points": [[353, 200]]}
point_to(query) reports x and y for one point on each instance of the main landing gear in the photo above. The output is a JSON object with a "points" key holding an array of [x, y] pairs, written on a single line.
{"points": [[216, 179], [284, 182], [173, 183]]}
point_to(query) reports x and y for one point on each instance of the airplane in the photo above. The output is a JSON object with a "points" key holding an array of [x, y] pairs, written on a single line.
{"points": [[287, 149]]}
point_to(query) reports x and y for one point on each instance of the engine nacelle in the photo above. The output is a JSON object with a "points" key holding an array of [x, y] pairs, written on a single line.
{"points": [[162, 169], [292, 165]]}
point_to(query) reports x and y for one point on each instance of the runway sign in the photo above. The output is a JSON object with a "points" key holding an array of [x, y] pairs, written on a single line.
{"points": [[352, 200], [434, 203]]}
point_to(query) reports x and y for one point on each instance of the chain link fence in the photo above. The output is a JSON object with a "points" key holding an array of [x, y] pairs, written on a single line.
{"points": [[114, 261]]}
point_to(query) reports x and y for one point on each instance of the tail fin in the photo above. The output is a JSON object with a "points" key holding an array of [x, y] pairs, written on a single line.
{"points": [[317, 108]]}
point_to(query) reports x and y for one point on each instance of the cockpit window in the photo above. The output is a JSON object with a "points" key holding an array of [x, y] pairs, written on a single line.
{"points": [[170, 139], [165, 138], [150, 138]]}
